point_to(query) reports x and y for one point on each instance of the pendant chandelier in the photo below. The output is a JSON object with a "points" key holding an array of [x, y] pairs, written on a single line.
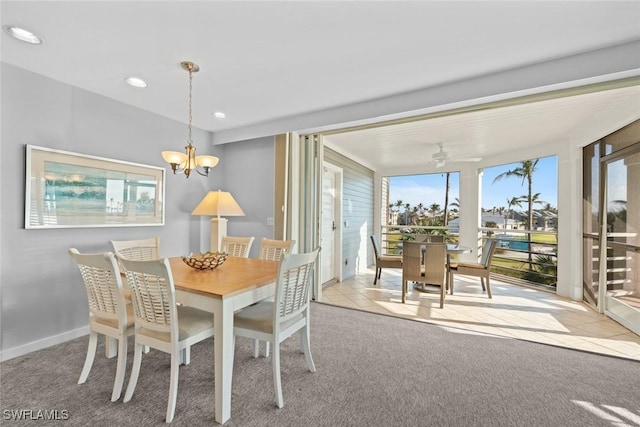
{"points": [[188, 161]]}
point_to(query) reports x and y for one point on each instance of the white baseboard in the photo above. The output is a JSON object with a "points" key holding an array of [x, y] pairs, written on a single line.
{"points": [[20, 350]]}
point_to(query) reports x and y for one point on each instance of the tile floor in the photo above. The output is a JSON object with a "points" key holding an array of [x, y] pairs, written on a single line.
{"points": [[514, 311]]}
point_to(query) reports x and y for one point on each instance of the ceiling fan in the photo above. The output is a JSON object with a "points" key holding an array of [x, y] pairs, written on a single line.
{"points": [[441, 156]]}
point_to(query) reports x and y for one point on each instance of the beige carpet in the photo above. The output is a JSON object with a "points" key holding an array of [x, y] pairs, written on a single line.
{"points": [[372, 370]]}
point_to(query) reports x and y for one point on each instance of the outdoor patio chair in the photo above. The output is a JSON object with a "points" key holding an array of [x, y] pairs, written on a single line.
{"points": [[425, 264], [383, 261], [481, 269]]}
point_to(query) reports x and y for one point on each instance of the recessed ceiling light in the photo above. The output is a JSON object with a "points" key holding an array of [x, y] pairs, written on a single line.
{"points": [[219, 115], [135, 82], [22, 34]]}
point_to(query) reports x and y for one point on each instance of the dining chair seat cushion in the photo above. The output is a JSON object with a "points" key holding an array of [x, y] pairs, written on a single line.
{"points": [[113, 323], [191, 321], [397, 258], [259, 317], [467, 265]]}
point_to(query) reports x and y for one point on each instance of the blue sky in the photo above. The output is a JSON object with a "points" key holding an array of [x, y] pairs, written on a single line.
{"points": [[429, 189]]}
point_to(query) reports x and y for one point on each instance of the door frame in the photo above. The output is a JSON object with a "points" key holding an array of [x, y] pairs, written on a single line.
{"points": [[337, 214]]}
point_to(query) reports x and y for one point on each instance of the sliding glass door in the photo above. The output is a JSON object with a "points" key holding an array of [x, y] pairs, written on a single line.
{"points": [[611, 221], [619, 281]]}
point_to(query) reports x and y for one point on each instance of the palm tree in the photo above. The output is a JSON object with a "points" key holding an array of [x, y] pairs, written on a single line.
{"points": [[397, 205], [434, 208], [455, 207], [514, 201], [407, 210], [535, 199], [446, 200], [525, 172], [455, 204]]}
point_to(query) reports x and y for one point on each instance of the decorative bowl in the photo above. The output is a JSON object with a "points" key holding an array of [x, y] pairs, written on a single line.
{"points": [[205, 261]]}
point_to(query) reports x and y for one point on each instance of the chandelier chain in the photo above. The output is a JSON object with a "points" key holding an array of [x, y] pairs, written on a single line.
{"points": [[190, 114]]}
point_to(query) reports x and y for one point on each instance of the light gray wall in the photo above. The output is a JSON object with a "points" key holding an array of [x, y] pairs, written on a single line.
{"points": [[249, 174], [42, 298], [357, 211]]}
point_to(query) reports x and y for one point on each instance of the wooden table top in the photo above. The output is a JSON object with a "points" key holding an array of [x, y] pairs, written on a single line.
{"points": [[234, 276]]}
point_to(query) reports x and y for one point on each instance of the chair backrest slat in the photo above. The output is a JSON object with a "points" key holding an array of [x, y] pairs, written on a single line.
{"points": [[487, 252], [294, 284], [273, 250], [237, 246], [102, 282], [435, 261], [412, 261], [376, 246], [138, 250], [152, 293]]}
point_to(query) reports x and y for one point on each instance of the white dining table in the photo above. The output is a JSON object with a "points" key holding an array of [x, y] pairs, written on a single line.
{"points": [[237, 283]]}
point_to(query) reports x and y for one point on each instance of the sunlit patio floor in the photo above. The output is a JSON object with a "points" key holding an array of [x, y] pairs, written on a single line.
{"points": [[514, 311]]}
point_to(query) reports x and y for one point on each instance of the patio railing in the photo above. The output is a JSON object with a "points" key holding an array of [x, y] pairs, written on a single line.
{"points": [[513, 261]]}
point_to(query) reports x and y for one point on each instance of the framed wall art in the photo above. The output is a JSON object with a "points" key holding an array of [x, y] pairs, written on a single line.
{"points": [[69, 190]]}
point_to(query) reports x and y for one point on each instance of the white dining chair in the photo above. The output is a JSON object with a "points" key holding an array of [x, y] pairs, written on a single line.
{"points": [[272, 250], [139, 250], [109, 313], [275, 321], [236, 246], [160, 323]]}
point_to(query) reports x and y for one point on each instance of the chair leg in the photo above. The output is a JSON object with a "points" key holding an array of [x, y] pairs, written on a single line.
{"points": [[488, 288], [443, 289], [135, 371], [256, 348], [173, 387], [185, 356], [276, 374], [376, 276], [404, 290], [306, 347], [88, 361], [483, 286], [121, 367], [450, 283], [110, 347]]}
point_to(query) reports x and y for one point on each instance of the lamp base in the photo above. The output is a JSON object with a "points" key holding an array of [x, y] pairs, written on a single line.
{"points": [[218, 231]]}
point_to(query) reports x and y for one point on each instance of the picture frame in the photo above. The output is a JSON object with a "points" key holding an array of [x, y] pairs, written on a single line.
{"points": [[71, 190]]}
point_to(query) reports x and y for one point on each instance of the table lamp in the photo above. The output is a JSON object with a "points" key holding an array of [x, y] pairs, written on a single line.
{"points": [[218, 204]]}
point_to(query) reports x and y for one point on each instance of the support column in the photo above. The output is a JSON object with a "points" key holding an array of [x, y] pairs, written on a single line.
{"points": [[218, 231], [470, 210]]}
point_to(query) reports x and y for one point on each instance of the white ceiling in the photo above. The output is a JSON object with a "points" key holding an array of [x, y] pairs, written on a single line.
{"points": [[267, 61]]}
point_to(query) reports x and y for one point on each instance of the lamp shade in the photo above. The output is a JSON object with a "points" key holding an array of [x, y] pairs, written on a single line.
{"points": [[218, 203]]}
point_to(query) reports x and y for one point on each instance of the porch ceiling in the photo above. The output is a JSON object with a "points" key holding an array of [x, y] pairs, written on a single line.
{"points": [[480, 135]]}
